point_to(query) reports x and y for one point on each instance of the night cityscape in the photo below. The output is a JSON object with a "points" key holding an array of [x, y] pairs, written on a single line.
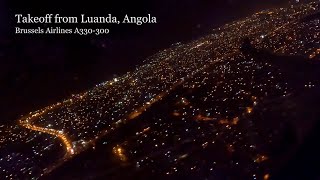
{"points": [[238, 101]]}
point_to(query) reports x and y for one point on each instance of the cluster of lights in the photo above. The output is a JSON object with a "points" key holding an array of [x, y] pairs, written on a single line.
{"points": [[212, 62]]}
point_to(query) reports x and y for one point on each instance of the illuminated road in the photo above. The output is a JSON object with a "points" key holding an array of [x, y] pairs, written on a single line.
{"points": [[58, 134], [26, 123], [143, 108], [27, 120]]}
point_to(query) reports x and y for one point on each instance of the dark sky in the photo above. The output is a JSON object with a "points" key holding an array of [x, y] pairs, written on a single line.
{"points": [[37, 70]]}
